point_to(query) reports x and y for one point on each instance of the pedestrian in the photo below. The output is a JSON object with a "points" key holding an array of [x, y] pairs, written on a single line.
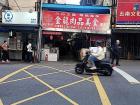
{"points": [[98, 55], [116, 52], [29, 52], [5, 52]]}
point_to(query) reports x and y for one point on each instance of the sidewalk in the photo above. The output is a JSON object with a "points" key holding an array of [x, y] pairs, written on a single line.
{"points": [[129, 62]]}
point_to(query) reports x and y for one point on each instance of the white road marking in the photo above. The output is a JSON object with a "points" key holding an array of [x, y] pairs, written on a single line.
{"points": [[128, 77]]}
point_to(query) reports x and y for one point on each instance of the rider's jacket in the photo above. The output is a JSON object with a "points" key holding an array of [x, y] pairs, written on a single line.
{"points": [[99, 54]]}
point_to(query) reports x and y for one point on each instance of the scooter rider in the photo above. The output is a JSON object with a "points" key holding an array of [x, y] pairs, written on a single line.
{"points": [[98, 55]]}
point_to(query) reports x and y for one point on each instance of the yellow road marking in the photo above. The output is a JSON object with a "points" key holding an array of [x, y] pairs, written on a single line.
{"points": [[65, 72], [14, 73], [52, 89], [73, 83], [15, 80], [55, 90], [76, 75], [103, 96], [27, 78], [102, 93], [1, 103], [44, 75], [22, 101], [61, 87]]}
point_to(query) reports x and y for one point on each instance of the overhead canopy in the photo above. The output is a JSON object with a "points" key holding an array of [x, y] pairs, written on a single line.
{"points": [[2, 29], [76, 8], [8, 27]]}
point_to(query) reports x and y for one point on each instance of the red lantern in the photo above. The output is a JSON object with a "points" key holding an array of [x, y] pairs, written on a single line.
{"points": [[51, 37]]}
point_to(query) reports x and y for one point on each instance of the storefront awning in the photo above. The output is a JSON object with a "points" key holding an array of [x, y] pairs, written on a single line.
{"points": [[76, 8], [2, 29], [10, 27]]}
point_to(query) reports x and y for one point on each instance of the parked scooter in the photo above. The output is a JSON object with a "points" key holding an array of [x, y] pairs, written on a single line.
{"points": [[103, 67]]}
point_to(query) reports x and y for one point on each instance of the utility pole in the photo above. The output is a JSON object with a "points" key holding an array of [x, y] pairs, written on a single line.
{"points": [[39, 40]]}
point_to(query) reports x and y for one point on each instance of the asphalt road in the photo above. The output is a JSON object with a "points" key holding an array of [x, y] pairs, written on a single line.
{"points": [[56, 83]]}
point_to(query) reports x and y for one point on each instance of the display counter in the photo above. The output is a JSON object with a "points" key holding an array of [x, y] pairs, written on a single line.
{"points": [[15, 47], [51, 53], [15, 54]]}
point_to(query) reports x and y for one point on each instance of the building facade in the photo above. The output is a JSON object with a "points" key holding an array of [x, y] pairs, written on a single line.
{"points": [[18, 26], [126, 26]]}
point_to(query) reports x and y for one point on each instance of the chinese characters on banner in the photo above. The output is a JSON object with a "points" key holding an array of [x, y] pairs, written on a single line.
{"points": [[75, 22], [128, 12]]}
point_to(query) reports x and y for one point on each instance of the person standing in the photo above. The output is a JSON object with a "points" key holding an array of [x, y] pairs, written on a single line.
{"points": [[116, 52], [5, 55], [29, 52]]}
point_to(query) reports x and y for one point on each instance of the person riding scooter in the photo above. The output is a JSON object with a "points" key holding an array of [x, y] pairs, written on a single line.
{"points": [[98, 55]]}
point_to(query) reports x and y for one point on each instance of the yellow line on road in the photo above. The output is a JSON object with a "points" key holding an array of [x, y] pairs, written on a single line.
{"points": [[38, 95], [22, 101], [14, 73], [20, 79], [78, 76], [65, 72], [73, 83], [27, 78], [103, 96], [15, 80], [1, 103], [55, 90]]}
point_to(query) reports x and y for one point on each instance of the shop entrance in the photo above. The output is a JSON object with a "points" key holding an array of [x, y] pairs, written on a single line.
{"points": [[67, 46], [57, 46], [18, 42], [130, 45]]}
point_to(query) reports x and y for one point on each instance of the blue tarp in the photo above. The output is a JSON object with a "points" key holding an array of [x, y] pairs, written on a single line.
{"points": [[76, 8]]}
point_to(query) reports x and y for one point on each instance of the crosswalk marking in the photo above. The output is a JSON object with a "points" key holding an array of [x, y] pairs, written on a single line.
{"points": [[128, 77]]}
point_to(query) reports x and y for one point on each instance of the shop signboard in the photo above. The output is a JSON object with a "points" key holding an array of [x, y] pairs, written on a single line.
{"points": [[11, 17], [128, 13], [76, 22], [128, 1]]}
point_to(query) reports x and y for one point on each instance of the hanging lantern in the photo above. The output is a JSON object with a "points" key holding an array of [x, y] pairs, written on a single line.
{"points": [[62, 38], [51, 37]]}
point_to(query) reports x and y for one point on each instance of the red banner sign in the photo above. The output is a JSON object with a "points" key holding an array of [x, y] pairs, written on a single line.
{"points": [[76, 22], [128, 12], [126, 1], [134, 1]]}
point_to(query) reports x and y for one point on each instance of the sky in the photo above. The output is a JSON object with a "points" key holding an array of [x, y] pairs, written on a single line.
{"points": [[77, 2]]}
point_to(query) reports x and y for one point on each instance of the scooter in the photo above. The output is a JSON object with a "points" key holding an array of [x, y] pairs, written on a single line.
{"points": [[102, 67]]}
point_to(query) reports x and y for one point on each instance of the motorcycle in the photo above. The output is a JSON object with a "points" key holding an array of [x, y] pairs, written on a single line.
{"points": [[102, 67]]}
